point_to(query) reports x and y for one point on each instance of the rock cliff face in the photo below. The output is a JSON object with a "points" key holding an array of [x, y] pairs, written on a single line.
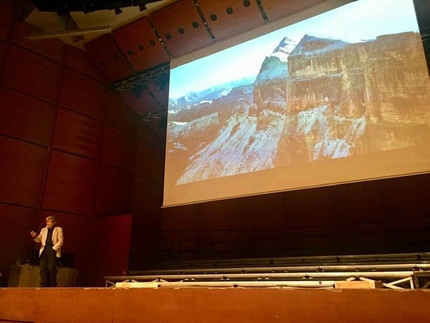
{"points": [[318, 99]]}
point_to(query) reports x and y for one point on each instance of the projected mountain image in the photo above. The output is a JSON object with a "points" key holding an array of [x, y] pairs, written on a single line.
{"points": [[313, 100]]}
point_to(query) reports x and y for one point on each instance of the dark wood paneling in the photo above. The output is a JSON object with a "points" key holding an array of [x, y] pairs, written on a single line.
{"points": [[306, 208], [17, 223], [149, 162], [6, 11], [32, 74], [114, 191], [182, 218], [26, 117], [141, 105], [178, 17], [83, 94], [77, 134], [22, 167], [276, 9], [119, 115], [118, 149], [153, 133], [230, 18], [140, 45], [111, 248], [139, 256], [79, 61], [54, 49], [147, 201], [109, 60], [405, 196], [3, 47], [71, 184], [365, 194]]}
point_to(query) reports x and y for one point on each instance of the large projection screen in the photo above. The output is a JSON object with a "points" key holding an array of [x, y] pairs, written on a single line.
{"points": [[340, 97]]}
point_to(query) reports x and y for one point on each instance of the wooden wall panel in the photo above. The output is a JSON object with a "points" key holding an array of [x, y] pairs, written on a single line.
{"points": [[104, 53], [230, 18], [26, 117], [53, 49], [83, 94], [268, 212], [174, 24], [153, 133], [365, 194], [149, 162], [79, 61], [411, 196], [183, 218], [32, 74], [147, 201], [118, 149], [111, 247], [77, 134], [141, 105], [22, 168], [17, 223], [2, 57], [140, 45], [6, 11], [150, 238], [276, 9], [114, 191], [70, 185], [212, 219], [119, 115], [307, 208]]}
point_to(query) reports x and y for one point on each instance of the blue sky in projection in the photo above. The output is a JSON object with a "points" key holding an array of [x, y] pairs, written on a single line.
{"points": [[358, 21]]}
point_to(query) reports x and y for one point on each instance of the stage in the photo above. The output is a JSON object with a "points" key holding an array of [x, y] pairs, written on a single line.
{"points": [[115, 305]]}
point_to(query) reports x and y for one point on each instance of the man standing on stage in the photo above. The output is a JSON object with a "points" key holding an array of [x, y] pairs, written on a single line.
{"points": [[51, 239]]}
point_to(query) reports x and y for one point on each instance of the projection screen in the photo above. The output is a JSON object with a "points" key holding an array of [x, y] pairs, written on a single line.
{"points": [[342, 96]]}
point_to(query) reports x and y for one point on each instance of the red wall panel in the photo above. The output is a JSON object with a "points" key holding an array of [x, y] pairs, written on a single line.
{"points": [[2, 57], [82, 94], [78, 234], [153, 133], [147, 201], [54, 49], [70, 184], [79, 61], [77, 134], [118, 149], [32, 74], [149, 238], [26, 117], [140, 45], [112, 245], [22, 168], [17, 223], [6, 11], [119, 115], [104, 53], [114, 191], [149, 162]]}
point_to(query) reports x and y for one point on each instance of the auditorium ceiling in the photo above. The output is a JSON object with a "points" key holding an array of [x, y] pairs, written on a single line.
{"points": [[134, 58]]}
